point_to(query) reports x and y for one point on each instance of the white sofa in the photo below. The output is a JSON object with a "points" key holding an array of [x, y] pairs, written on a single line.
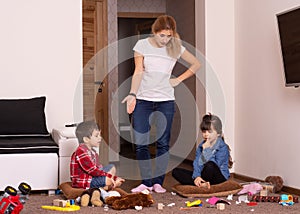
{"points": [[39, 170], [66, 139], [27, 151], [42, 171]]}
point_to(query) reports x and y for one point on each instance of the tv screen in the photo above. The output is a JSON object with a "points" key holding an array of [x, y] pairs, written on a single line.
{"points": [[289, 33]]}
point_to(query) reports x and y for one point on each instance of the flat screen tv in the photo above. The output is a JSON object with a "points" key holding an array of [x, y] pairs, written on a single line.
{"points": [[289, 33]]}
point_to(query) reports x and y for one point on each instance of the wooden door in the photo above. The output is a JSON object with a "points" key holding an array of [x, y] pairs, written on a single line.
{"points": [[185, 19], [95, 84]]}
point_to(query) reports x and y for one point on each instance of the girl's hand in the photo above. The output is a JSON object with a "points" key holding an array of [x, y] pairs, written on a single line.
{"points": [[199, 182], [174, 82], [130, 101]]}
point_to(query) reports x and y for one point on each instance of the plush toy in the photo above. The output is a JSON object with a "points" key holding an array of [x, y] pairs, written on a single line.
{"points": [[277, 181], [129, 201], [91, 197]]}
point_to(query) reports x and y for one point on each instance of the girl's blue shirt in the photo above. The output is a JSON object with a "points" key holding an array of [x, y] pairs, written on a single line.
{"points": [[218, 153]]}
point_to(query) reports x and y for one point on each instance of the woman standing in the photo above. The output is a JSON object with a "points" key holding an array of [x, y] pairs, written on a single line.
{"points": [[151, 97]]}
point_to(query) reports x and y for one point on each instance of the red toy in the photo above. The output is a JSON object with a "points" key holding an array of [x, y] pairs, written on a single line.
{"points": [[11, 202], [275, 199]]}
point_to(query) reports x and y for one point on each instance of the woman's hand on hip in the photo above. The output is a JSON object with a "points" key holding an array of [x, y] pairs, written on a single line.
{"points": [[130, 101], [174, 82]]}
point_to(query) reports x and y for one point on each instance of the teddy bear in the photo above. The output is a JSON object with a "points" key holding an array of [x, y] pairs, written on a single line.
{"points": [[91, 197], [277, 181], [129, 200]]}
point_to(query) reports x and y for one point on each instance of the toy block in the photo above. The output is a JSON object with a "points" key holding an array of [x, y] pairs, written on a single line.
{"points": [[59, 203]]}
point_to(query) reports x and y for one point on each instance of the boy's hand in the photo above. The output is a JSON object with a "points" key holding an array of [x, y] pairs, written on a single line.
{"points": [[119, 182]]}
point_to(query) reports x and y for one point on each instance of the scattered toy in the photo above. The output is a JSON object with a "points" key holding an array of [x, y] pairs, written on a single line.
{"points": [[251, 188], [59, 202], [91, 197], [243, 198], [286, 200], [105, 208], [129, 201], [263, 192], [230, 197], [213, 200], [194, 203], [252, 203], [11, 202], [160, 206], [189, 208], [146, 192], [138, 208], [275, 199], [258, 198], [221, 206], [276, 181], [70, 206], [268, 186]]}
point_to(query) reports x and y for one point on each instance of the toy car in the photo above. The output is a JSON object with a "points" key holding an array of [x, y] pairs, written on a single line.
{"points": [[286, 200], [11, 202]]}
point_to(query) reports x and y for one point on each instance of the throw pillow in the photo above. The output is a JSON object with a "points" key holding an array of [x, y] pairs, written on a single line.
{"points": [[23, 117]]}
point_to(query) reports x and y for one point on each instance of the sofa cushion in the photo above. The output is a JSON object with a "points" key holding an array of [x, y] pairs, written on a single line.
{"points": [[23, 117], [27, 144]]}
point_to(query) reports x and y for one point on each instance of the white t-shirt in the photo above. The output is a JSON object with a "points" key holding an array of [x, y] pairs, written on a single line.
{"points": [[158, 66]]}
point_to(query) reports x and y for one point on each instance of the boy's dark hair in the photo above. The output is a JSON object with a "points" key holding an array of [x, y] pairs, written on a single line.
{"points": [[209, 120], [85, 129]]}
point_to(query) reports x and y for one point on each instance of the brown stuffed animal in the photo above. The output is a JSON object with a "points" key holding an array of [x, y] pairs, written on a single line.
{"points": [[129, 201], [91, 197], [277, 181]]}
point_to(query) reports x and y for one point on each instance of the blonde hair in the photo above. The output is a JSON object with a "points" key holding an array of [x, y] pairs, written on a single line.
{"points": [[166, 22]]}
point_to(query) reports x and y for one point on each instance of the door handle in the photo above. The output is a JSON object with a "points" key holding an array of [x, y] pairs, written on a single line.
{"points": [[101, 85]]}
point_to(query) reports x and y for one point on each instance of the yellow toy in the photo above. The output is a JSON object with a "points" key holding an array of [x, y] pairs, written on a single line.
{"points": [[194, 203], [68, 206]]}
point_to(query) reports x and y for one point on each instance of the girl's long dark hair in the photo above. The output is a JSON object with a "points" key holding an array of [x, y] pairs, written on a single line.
{"points": [[209, 120]]}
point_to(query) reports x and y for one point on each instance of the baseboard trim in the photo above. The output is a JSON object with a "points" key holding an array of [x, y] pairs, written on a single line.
{"points": [[245, 178]]}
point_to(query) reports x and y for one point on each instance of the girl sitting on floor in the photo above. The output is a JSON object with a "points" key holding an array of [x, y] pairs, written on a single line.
{"points": [[212, 162]]}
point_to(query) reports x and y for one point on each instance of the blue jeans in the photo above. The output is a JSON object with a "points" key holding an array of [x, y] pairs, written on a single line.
{"points": [[100, 181], [146, 114]]}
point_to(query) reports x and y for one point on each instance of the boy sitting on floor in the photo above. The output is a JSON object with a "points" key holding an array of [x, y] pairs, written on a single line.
{"points": [[85, 169]]}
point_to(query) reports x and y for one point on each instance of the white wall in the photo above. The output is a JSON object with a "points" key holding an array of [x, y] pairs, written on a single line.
{"points": [[41, 54], [267, 113], [219, 45]]}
